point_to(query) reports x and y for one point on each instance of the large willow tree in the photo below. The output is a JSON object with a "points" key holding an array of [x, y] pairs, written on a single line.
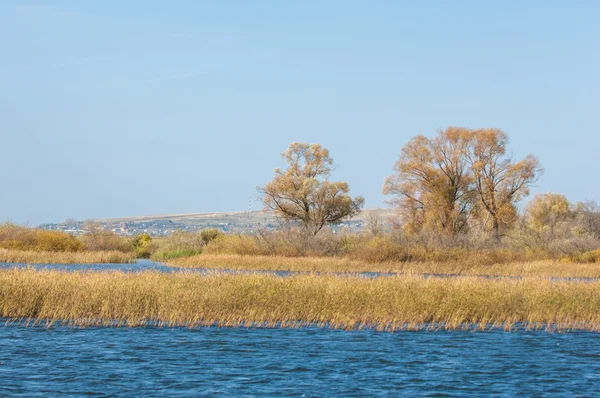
{"points": [[432, 183], [500, 181], [444, 183], [303, 192]]}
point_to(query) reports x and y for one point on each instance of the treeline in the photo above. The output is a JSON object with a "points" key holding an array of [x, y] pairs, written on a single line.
{"points": [[18, 238], [22, 244], [455, 183]]}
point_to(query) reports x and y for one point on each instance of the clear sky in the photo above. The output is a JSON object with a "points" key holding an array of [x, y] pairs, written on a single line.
{"points": [[118, 108]]}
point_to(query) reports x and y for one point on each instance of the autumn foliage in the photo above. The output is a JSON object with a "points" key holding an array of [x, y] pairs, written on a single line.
{"points": [[302, 193], [459, 180], [15, 237]]}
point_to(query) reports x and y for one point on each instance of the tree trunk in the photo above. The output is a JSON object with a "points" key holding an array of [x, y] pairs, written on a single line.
{"points": [[496, 229]]}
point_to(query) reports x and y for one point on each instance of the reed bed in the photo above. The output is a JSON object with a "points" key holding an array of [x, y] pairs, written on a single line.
{"points": [[87, 257], [259, 300], [344, 264]]}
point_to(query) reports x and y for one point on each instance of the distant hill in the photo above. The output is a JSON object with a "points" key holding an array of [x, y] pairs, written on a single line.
{"points": [[235, 222], [236, 217]]}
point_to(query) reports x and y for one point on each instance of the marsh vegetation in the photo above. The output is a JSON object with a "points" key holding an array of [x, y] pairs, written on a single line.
{"points": [[252, 300]]}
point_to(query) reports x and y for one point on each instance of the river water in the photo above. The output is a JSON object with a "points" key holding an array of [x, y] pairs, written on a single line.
{"points": [[148, 265], [35, 361], [141, 265]]}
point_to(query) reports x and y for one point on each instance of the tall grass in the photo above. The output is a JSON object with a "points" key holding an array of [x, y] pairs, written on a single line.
{"points": [[37, 257], [345, 264], [395, 303]]}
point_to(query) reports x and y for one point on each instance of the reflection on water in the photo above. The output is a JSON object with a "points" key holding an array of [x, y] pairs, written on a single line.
{"points": [[312, 362]]}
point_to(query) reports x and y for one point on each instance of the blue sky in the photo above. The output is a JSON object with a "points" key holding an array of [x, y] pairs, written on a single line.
{"points": [[116, 108]]}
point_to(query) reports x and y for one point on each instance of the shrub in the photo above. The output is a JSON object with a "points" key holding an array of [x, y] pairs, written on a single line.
{"points": [[179, 244], [592, 256], [288, 243], [235, 244], [209, 234], [100, 240], [14, 237], [142, 245]]}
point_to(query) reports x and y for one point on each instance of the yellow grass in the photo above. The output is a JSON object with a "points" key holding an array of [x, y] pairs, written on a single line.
{"points": [[341, 264], [347, 302], [96, 257]]}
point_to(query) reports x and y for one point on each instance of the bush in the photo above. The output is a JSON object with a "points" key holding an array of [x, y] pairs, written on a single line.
{"points": [[14, 237], [235, 244], [592, 256], [180, 244], [209, 234], [288, 243], [100, 240], [142, 245]]}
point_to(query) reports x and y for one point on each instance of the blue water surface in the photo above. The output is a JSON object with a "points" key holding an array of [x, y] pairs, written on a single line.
{"points": [[35, 361], [149, 265], [140, 265]]}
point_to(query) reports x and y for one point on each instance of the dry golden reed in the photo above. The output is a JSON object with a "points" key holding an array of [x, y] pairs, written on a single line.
{"points": [[344, 264], [36, 257], [251, 300]]}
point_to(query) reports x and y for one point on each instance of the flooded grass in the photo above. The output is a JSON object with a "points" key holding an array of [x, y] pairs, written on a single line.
{"points": [[344, 264], [84, 257], [259, 300]]}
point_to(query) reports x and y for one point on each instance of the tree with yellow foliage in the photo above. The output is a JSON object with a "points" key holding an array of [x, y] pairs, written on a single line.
{"points": [[499, 181], [548, 211], [445, 183], [432, 185], [303, 193], [549, 217]]}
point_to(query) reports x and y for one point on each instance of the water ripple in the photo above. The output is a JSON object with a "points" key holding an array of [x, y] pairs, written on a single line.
{"points": [[291, 362]]}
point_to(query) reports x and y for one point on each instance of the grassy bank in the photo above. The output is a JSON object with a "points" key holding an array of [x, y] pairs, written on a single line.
{"points": [[395, 303], [344, 264], [88, 257]]}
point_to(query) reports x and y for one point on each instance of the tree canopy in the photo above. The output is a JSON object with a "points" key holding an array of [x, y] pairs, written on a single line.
{"points": [[460, 176], [303, 193], [432, 186]]}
